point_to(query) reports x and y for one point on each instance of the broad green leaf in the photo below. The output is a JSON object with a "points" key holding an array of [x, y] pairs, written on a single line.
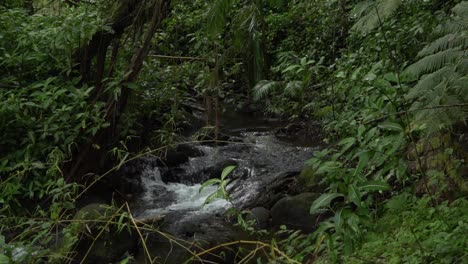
{"points": [[328, 167], [324, 200], [363, 160], [346, 143], [290, 68], [374, 186], [4, 259], [354, 194], [227, 171], [338, 219], [361, 130], [209, 183], [392, 126]]}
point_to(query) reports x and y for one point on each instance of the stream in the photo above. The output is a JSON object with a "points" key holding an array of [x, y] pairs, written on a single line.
{"points": [[264, 166]]}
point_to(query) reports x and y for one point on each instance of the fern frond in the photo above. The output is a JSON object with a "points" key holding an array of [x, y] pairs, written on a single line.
{"points": [[453, 26], [264, 88], [445, 64], [428, 82], [216, 16], [450, 41], [361, 8], [294, 88], [434, 62], [379, 12], [461, 9]]}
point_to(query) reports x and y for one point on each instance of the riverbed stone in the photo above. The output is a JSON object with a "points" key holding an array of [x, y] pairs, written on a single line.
{"points": [[172, 175], [293, 211]]}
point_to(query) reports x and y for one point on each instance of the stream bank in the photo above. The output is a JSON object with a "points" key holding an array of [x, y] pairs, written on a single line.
{"points": [[268, 156]]}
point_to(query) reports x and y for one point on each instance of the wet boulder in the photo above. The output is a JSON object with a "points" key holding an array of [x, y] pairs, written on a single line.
{"points": [[261, 217], [172, 175], [190, 150], [216, 170], [293, 211], [173, 158], [275, 187], [302, 133]]}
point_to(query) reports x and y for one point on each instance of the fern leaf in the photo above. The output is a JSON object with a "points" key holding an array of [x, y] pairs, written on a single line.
{"points": [[449, 41], [454, 26], [379, 12], [461, 9], [361, 8], [434, 62], [294, 88], [264, 88], [428, 82]]}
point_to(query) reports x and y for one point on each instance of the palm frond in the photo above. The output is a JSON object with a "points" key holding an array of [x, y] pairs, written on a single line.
{"points": [[376, 13]]}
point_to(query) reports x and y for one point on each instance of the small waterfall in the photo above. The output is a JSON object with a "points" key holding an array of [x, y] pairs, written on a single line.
{"points": [[161, 198]]}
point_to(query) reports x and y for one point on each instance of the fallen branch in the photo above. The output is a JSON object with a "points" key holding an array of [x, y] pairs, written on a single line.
{"points": [[176, 57]]}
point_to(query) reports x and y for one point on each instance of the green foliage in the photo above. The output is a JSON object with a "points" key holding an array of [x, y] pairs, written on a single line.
{"points": [[372, 13], [288, 97], [440, 97], [369, 120], [222, 182], [31, 48], [41, 120], [412, 231], [378, 74], [45, 115]]}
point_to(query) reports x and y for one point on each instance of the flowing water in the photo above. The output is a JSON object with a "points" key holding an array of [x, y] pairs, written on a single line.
{"points": [[260, 157]]}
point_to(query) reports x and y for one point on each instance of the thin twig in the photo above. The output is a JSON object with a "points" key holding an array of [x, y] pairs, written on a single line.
{"points": [[143, 241]]}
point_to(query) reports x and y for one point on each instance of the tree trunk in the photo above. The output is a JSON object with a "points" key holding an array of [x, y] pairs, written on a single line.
{"points": [[85, 159]]}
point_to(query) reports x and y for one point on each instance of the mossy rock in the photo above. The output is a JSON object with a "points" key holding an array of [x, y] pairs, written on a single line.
{"points": [[309, 178], [293, 211], [104, 246]]}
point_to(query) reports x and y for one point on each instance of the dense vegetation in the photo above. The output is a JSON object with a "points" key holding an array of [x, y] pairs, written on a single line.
{"points": [[86, 86]]}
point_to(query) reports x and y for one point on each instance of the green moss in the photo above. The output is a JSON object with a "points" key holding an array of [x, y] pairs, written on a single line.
{"points": [[308, 177]]}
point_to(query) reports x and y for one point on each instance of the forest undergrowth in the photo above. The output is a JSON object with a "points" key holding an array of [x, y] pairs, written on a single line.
{"points": [[87, 86]]}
